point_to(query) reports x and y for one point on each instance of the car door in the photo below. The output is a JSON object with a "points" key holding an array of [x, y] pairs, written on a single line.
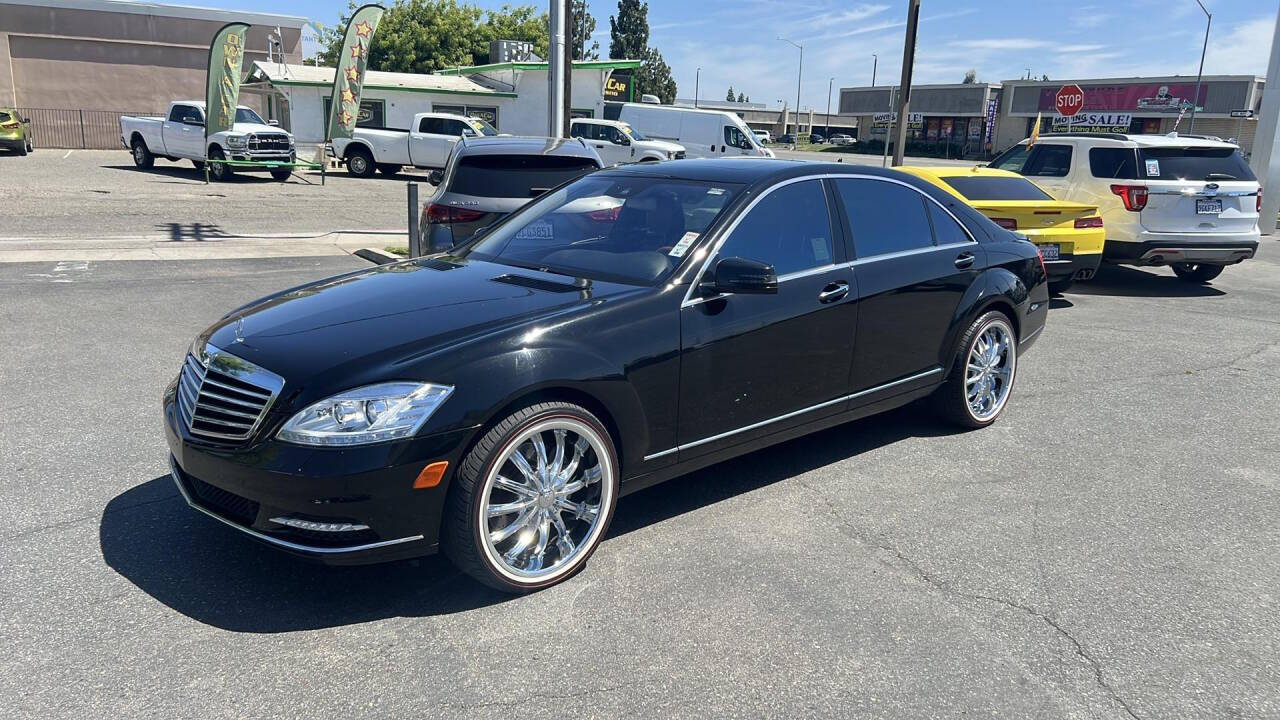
{"points": [[181, 137], [755, 364], [429, 147], [913, 263], [600, 138]]}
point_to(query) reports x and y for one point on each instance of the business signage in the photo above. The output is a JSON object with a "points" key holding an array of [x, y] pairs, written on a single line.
{"points": [[1092, 122], [619, 88], [992, 107], [1244, 114], [1141, 98], [915, 121]]}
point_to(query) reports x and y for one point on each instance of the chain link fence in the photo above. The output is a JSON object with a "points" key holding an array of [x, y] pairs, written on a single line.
{"points": [[77, 129]]}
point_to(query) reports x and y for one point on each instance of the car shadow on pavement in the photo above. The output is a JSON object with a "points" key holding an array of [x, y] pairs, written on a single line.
{"points": [[1127, 281], [191, 174], [219, 577]]}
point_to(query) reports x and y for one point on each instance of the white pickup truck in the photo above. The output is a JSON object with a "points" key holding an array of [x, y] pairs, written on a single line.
{"points": [[180, 136], [618, 142], [426, 144]]}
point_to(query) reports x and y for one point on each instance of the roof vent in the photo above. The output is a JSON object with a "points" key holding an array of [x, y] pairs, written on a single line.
{"points": [[538, 283]]}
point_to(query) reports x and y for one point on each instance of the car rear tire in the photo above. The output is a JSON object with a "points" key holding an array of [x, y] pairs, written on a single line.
{"points": [[142, 157], [219, 171], [360, 163], [547, 470], [982, 374], [389, 170], [1198, 273]]}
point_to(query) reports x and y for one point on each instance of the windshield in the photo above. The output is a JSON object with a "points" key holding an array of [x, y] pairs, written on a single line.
{"points": [[245, 115], [633, 133], [629, 229], [482, 126], [1194, 163], [516, 176], [996, 188]]}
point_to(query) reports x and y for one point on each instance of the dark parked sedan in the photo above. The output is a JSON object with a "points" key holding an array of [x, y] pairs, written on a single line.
{"points": [[625, 328]]}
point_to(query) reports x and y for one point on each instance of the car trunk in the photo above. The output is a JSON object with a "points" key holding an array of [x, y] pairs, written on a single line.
{"points": [[1197, 190], [1036, 219]]}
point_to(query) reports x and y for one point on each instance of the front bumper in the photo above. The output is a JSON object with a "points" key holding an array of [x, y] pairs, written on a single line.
{"points": [[368, 491], [279, 156], [1150, 248]]}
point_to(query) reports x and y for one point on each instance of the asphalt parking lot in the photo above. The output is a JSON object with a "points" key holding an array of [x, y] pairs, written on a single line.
{"points": [[1107, 550]]}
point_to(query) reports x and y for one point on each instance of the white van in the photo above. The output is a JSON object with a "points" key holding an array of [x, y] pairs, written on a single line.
{"points": [[703, 133]]}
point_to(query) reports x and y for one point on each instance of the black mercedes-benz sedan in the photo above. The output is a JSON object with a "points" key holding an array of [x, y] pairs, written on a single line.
{"points": [[634, 324]]}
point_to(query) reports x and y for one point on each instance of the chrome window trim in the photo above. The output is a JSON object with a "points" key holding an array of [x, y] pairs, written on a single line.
{"points": [[1189, 191], [794, 413], [177, 480], [714, 250]]}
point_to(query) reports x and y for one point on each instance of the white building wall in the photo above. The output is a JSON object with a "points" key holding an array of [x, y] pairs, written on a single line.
{"points": [[306, 108]]}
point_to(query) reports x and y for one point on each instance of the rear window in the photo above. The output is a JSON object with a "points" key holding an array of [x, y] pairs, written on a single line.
{"points": [[515, 176], [996, 188], [1194, 163], [4, 117], [1113, 163]]}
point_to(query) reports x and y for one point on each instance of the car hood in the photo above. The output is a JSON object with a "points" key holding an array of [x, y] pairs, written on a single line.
{"points": [[246, 128], [365, 324], [661, 145]]}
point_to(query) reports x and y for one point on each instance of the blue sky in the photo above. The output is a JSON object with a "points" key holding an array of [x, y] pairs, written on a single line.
{"points": [[735, 42]]}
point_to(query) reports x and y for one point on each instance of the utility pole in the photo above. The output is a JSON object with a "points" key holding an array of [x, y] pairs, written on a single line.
{"points": [[555, 71], [566, 120], [697, 83], [799, 75], [1191, 128], [904, 94], [1264, 159], [875, 60], [829, 81]]}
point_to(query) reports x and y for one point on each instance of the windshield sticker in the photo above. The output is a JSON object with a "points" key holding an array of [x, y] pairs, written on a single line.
{"points": [[683, 246], [1153, 168], [820, 249], [716, 191]]}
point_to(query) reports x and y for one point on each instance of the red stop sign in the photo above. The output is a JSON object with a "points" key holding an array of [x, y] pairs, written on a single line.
{"points": [[1069, 100]]}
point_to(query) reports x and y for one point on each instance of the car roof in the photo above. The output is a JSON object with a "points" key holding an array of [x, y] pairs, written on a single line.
{"points": [[521, 145], [747, 170], [1141, 139]]}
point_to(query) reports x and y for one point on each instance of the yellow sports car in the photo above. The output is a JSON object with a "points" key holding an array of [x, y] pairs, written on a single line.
{"points": [[1069, 235], [15, 132]]}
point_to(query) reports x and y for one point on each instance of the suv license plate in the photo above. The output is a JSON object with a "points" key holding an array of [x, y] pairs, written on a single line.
{"points": [[1048, 252], [536, 230], [1208, 207]]}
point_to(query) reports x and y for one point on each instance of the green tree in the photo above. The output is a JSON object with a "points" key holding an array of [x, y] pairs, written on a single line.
{"points": [[629, 30], [742, 98], [970, 77], [654, 77], [583, 26], [421, 36], [729, 96]]}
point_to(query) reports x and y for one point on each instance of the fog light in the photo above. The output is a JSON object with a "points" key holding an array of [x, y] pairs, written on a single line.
{"points": [[318, 526]]}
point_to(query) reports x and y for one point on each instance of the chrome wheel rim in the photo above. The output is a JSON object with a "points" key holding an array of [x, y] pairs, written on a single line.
{"points": [[989, 371], [139, 155], [544, 500], [358, 164]]}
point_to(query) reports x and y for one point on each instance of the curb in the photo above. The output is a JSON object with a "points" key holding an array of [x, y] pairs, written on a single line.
{"points": [[378, 257]]}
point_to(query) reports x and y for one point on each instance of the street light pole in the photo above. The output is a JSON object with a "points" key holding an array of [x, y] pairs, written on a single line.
{"points": [[875, 60], [697, 82], [829, 81], [1196, 100], [799, 75], [904, 87]]}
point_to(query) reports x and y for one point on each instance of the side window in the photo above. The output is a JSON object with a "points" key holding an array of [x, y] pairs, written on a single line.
{"points": [[789, 229], [433, 126], [1113, 163], [455, 127], [176, 113], [946, 231], [1012, 159], [885, 217], [733, 137], [610, 133], [579, 130], [1049, 161]]}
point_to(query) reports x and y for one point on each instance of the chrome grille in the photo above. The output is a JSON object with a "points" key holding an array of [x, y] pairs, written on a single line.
{"points": [[269, 141], [223, 397]]}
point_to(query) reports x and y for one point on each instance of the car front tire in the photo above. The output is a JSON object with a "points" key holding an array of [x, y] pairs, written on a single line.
{"points": [[219, 171], [1196, 272], [977, 390], [533, 498]]}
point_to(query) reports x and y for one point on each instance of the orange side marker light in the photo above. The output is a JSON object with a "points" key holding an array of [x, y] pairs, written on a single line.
{"points": [[431, 475]]}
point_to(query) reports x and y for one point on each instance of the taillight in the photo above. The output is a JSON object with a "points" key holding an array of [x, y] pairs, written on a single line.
{"points": [[440, 214], [1134, 197], [1006, 223], [1089, 222], [606, 215], [1259, 204], [10, 125]]}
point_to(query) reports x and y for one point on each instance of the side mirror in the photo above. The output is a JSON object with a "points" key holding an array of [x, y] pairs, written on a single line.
{"points": [[740, 276], [435, 176], [273, 123], [622, 140]]}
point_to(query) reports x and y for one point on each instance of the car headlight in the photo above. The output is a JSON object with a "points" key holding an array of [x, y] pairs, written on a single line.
{"points": [[237, 141], [370, 414]]}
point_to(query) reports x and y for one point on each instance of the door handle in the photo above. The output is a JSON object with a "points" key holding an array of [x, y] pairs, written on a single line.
{"points": [[964, 260], [833, 292]]}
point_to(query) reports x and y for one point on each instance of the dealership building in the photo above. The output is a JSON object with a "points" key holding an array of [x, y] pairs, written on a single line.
{"points": [[977, 120]]}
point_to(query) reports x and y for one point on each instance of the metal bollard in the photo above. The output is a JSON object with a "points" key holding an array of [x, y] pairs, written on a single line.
{"points": [[415, 240]]}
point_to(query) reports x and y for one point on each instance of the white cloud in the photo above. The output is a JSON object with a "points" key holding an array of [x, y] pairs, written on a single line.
{"points": [[1243, 50]]}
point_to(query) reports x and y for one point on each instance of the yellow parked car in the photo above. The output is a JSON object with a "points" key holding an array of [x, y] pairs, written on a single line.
{"points": [[1069, 235], [15, 132]]}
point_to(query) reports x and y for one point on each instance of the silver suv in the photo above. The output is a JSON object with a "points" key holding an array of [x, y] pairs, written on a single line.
{"points": [[488, 178], [1189, 202]]}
